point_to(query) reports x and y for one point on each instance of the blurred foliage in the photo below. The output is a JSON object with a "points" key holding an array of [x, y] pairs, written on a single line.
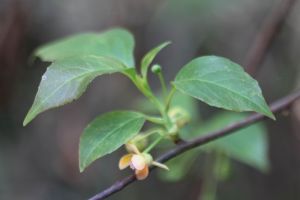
{"points": [[248, 145], [179, 166]]}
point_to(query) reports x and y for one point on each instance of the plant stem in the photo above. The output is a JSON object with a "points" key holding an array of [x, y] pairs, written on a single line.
{"points": [[144, 87], [156, 120], [169, 98], [153, 144], [150, 132], [209, 185], [163, 84], [213, 174]]}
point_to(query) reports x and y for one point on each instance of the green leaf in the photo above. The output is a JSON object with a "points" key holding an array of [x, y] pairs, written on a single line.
{"points": [[107, 133], [149, 57], [65, 80], [116, 43], [248, 145], [179, 166], [221, 83]]}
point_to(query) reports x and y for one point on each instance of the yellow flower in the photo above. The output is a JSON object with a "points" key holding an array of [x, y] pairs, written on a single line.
{"points": [[139, 162]]}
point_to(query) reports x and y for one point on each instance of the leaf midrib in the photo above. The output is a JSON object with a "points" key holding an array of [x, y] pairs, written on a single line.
{"points": [[103, 138], [209, 82], [67, 82]]}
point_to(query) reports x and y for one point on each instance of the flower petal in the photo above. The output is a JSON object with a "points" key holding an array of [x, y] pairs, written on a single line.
{"points": [[142, 174], [138, 162], [160, 165], [125, 161], [132, 148]]}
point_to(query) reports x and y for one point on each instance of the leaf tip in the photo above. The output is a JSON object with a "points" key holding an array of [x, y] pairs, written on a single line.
{"points": [[81, 168], [167, 43], [269, 113], [25, 123], [272, 116], [163, 45], [27, 119], [82, 164]]}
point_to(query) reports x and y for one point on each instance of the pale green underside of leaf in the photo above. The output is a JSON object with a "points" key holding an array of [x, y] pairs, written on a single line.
{"points": [[248, 145], [149, 57], [65, 80], [116, 43], [221, 83], [107, 133]]}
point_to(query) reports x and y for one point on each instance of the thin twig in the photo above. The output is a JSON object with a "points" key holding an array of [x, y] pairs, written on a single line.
{"points": [[266, 35], [276, 107]]}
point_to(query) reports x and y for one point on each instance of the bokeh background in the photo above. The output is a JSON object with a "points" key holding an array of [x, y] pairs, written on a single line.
{"points": [[40, 161]]}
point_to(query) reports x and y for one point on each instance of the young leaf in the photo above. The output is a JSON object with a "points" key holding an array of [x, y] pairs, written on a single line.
{"points": [[107, 133], [221, 83], [248, 145], [65, 80], [116, 43], [149, 57]]}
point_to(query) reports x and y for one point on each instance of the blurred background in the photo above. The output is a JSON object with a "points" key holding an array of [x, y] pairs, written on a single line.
{"points": [[40, 161]]}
